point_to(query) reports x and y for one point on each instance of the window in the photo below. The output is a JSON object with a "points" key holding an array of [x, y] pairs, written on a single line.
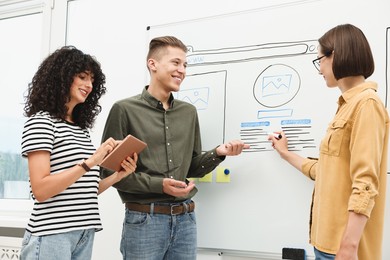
{"points": [[77, 22], [20, 57], [30, 30], [25, 31]]}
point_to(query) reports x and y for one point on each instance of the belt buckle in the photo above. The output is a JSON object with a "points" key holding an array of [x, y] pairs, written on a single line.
{"points": [[172, 209]]}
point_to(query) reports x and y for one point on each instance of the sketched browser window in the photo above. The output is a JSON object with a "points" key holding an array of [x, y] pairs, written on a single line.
{"points": [[20, 52]]}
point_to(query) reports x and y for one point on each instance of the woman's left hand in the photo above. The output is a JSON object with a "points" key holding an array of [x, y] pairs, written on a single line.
{"points": [[129, 165]]}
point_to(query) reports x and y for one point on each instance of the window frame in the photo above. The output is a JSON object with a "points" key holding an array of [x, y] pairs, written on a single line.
{"points": [[15, 212]]}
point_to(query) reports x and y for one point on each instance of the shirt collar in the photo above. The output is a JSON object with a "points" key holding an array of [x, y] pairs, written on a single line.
{"points": [[153, 101], [349, 94]]}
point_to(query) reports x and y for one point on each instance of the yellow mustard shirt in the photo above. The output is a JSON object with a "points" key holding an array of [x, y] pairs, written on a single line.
{"points": [[350, 173]]}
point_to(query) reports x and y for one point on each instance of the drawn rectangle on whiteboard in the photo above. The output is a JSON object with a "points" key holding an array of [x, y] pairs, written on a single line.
{"points": [[274, 113], [206, 91]]}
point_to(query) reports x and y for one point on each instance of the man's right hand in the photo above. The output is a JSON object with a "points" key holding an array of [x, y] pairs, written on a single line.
{"points": [[177, 188]]}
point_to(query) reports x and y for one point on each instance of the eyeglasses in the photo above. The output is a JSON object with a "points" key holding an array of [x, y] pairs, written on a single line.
{"points": [[317, 61]]}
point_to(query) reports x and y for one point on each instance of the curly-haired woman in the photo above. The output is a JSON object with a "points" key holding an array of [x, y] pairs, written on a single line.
{"points": [[61, 104]]}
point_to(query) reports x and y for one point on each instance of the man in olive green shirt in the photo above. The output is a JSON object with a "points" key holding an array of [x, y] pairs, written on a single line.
{"points": [[160, 220]]}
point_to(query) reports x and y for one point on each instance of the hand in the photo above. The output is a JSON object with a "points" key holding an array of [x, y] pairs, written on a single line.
{"points": [[104, 149], [128, 167], [177, 188], [279, 144], [232, 148]]}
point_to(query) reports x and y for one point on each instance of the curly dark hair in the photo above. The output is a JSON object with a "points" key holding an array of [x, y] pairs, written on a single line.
{"points": [[50, 87]]}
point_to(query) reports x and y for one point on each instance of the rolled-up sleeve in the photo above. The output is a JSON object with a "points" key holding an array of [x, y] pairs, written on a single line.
{"points": [[309, 167]]}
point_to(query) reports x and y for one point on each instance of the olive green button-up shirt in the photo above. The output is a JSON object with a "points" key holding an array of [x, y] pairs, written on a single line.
{"points": [[350, 173], [173, 146]]}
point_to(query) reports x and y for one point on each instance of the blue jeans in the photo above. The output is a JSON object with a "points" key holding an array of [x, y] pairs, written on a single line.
{"points": [[72, 245], [323, 256], [158, 236]]}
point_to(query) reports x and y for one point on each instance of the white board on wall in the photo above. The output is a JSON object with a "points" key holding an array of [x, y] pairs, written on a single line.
{"points": [[251, 73]]}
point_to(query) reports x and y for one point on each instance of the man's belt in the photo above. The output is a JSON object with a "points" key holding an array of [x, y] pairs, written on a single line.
{"points": [[168, 209]]}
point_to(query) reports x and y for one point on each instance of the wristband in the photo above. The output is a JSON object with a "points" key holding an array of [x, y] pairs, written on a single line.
{"points": [[84, 166]]}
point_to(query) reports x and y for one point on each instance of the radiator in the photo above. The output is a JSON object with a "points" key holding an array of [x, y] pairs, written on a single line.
{"points": [[10, 248]]}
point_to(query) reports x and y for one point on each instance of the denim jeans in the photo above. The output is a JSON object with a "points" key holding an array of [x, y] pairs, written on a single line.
{"points": [[158, 236], [72, 245], [323, 256]]}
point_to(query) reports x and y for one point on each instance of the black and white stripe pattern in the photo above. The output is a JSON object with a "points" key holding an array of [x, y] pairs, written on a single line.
{"points": [[77, 206]]}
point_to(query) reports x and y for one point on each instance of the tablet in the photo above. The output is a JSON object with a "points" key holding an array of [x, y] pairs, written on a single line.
{"points": [[127, 147]]}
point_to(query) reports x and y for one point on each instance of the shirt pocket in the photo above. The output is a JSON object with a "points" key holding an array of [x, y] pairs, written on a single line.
{"points": [[331, 144]]}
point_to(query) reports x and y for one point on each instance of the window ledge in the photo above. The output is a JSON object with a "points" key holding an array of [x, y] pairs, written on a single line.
{"points": [[14, 222], [15, 213]]}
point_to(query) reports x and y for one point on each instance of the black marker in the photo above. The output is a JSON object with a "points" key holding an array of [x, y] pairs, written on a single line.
{"points": [[277, 136]]}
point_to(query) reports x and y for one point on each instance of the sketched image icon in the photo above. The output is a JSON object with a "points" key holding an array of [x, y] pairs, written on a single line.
{"points": [[276, 85], [199, 97]]}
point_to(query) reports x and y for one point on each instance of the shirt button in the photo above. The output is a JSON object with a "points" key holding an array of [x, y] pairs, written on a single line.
{"points": [[166, 127], [202, 166], [170, 160], [168, 144], [212, 153], [367, 188]]}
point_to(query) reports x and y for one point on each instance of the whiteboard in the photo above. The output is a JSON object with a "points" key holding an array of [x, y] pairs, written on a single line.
{"points": [[250, 73]]}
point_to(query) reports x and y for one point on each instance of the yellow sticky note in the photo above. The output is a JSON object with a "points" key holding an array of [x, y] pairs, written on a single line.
{"points": [[193, 179], [223, 174], [207, 178]]}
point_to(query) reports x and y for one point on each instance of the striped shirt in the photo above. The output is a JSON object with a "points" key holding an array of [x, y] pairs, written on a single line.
{"points": [[76, 207]]}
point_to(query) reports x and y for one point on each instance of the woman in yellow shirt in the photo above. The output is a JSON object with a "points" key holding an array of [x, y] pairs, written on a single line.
{"points": [[348, 203]]}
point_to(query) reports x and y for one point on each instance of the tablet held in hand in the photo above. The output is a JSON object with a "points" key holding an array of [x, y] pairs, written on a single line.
{"points": [[127, 147]]}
